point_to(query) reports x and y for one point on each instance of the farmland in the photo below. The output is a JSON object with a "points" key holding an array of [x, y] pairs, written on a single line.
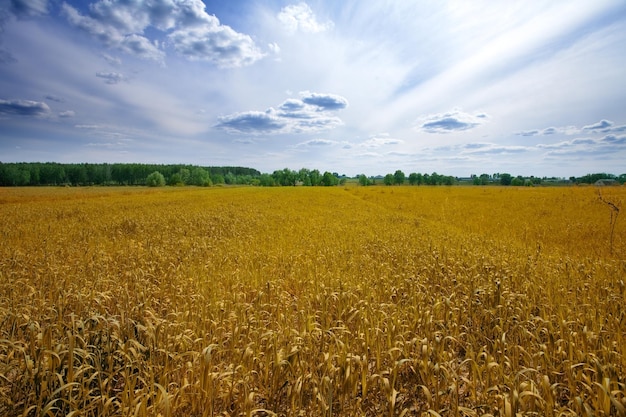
{"points": [[397, 301]]}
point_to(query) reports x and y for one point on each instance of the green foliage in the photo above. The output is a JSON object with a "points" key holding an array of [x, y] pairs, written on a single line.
{"points": [[156, 179], [201, 177], [506, 179], [176, 179], [398, 177], [389, 179], [329, 179], [51, 173], [416, 178]]}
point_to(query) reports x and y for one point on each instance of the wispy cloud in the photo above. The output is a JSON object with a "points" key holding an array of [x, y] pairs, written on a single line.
{"points": [[111, 77], [587, 147], [318, 142], [377, 141], [67, 114], [603, 126]]}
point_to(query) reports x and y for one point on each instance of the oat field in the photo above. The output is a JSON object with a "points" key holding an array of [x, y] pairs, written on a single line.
{"points": [[304, 301]]}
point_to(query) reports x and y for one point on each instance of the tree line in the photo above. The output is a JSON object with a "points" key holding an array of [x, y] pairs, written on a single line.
{"points": [[52, 173]]}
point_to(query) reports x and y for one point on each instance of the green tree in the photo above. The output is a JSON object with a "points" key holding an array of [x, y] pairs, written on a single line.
{"points": [[389, 179], [266, 180], [329, 179], [217, 179], [156, 179], [414, 178], [230, 178], [185, 175], [399, 177], [363, 180], [176, 179], [506, 179], [316, 177], [200, 177]]}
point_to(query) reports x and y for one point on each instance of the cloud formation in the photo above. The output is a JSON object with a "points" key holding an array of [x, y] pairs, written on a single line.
{"points": [[324, 101], [601, 125], [191, 31], [605, 144], [24, 107], [382, 139], [111, 77], [311, 113], [300, 17], [453, 121]]}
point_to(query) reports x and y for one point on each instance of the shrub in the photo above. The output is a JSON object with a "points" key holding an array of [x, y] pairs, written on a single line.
{"points": [[156, 179]]}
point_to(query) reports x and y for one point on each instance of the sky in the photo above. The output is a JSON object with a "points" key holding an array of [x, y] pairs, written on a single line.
{"points": [[354, 87]]}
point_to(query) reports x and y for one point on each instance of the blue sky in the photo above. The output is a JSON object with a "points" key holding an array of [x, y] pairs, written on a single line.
{"points": [[454, 87]]}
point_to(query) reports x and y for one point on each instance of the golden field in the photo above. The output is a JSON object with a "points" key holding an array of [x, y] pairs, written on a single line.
{"points": [[377, 301]]}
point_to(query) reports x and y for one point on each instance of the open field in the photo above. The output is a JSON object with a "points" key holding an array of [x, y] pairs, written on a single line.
{"points": [[451, 301]]}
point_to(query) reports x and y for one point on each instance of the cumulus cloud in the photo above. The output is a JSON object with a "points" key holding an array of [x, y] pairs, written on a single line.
{"points": [[324, 101], [24, 107], [453, 121], [216, 43], [67, 113], [601, 125], [189, 29], [300, 17], [253, 122], [311, 113], [111, 77]]}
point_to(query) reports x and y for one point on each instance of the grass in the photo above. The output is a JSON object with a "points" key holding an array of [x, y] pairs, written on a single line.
{"points": [[398, 301]]}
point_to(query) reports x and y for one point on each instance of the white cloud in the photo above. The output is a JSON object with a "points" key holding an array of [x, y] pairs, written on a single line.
{"points": [[191, 31], [111, 77], [216, 43], [455, 120], [311, 113], [300, 17], [23, 107], [318, 142], [382, 139]]}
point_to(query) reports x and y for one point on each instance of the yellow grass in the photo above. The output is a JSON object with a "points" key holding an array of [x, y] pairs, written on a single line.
{"points": [[407, 301]]}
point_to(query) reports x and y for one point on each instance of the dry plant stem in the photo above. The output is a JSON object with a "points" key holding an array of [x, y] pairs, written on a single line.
{"points": [[615, 208]]}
